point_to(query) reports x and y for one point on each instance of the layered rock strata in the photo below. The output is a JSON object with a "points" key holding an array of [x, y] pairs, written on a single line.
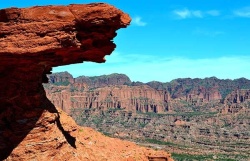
{"points": [[236, 101], [135, 99], [32, 41], [198, 120]]}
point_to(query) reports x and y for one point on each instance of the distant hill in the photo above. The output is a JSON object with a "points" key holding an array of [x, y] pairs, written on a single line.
{"points": [[208, 118], [177, 87]]}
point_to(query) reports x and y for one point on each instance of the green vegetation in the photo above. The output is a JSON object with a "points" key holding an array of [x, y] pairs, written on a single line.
{"points": [[73, 100], [142, 125], [225, 92], [92, 89], [73, 89], [128, 84], [114, 109], [186, 114], [218, 157], [184, 102], [191, 114], [56, 91], [189, 157], [107, 134], [97, 120], [105, 77], [66, 83], [159, 142]]}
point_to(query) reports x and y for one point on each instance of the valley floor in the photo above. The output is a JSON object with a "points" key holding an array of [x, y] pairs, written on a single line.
{"points": [[189, 136]]}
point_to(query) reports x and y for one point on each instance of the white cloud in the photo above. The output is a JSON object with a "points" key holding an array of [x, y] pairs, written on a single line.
{"points": [[243, 12], [213, 12], [138, 22], [183, 14], [163, 68], [186, 13]]}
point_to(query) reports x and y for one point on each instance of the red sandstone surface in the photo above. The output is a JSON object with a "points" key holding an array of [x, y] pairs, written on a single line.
{"points": [[49, 143], [137, 98], [32, 41]]}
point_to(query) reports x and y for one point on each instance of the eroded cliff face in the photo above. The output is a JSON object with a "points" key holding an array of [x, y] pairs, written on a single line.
{"points": [[237, 101], [134, 99], [32, 41], [184, 116]]}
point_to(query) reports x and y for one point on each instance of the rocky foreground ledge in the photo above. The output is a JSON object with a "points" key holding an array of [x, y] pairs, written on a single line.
{"points": [[32, 41]]}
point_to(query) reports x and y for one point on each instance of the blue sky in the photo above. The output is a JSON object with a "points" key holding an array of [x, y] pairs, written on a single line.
{"points": [[170, 39]]}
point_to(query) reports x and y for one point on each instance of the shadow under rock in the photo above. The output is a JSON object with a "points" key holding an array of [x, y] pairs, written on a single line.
{"points": [[16, 122]]}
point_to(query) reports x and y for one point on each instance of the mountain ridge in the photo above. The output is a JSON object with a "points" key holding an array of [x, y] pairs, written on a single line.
{"points": [[227, 85], [207, 117], [196, 78]]}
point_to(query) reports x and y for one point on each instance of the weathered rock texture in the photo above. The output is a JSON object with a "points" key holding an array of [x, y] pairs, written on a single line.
{"points": [[117, 91], [48, 142], [238, 96], [32, 41], [136, 99], [237, 101], [193, 116]]}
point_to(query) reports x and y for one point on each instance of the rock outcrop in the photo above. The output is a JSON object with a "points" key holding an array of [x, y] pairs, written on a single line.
{"points": [[238, 96], [130, 98], [237, 101], [117, 91], [32, 41], [190, 115], [201, 95]]}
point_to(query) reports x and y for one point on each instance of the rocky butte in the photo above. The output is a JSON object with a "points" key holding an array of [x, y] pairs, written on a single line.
{"points": [[32, 41]]}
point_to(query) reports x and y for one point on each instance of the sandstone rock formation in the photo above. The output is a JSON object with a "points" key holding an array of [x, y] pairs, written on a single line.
{"points": [[32, 41], [193, 116], [201, 94], [238, 96], [136, 98], [50, 143], [67, 92], [88, 92], [117, 91], [237, 101]]}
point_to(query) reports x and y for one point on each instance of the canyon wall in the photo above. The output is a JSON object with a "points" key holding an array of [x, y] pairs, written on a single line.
{"points": [[137, 98], [32, 41], [119, 92], [191, 116]]}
